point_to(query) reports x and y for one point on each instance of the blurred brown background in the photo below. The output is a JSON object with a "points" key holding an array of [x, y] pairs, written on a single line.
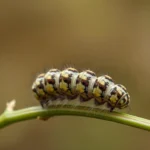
{"points": [[109, 37]]}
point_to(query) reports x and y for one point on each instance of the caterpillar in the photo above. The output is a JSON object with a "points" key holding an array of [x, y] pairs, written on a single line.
{"points": [[70, 84]]}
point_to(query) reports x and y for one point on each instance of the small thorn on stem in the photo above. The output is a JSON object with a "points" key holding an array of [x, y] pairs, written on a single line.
{"points": [[11, 105]]}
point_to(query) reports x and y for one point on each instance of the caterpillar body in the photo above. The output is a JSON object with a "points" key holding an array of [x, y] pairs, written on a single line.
{"points": [[70, 84]]}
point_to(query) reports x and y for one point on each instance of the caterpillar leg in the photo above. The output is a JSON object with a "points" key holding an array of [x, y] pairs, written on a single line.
{"points": [[72, 97], [101, 105], [111, 108], [83, 99], [44, 103]]}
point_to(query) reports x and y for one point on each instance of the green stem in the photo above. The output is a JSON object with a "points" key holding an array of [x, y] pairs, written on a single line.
{"points": [[10, 117]]}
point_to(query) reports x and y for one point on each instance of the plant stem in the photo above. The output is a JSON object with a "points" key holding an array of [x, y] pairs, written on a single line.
{"points": [[10, 117]]}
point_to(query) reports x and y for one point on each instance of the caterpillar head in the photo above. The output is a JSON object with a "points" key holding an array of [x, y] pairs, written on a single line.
{"points": [[118, 97]]}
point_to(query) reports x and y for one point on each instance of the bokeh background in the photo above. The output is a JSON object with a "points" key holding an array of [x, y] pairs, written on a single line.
{"points": [[108, 37]]}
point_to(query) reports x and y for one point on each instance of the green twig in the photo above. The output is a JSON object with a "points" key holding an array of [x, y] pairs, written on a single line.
{"points": [[11, 116]]}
